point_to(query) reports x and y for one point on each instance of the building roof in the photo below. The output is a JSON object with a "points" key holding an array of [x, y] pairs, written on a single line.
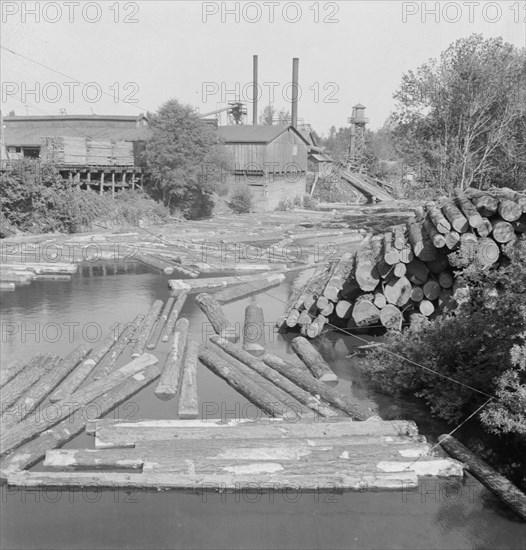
{"points": [[262, 133], [320, 157], [29, 130]]}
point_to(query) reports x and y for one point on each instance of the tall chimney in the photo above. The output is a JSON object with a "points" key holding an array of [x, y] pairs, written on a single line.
{"points": [[295, 91], [255, 91]]}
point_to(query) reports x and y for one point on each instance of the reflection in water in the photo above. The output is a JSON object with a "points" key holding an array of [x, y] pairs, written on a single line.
{"points": [[107, 297]]}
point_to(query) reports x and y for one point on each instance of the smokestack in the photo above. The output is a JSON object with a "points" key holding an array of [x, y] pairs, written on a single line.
{"points": [[295, 91], [255, 91]]}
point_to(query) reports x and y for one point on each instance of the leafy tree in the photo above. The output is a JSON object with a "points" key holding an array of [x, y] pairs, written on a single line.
{"points": [[179, 155], [268, 115], [460, 121]]}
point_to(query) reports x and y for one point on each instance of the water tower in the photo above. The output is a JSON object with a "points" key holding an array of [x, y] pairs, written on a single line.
{"points": [[357, 121]]}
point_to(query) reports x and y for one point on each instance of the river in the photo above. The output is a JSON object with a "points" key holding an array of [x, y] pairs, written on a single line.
{"points": [[55, 317]]}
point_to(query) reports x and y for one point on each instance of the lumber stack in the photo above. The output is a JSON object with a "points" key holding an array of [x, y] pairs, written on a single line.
{"points": [[409, 271]]}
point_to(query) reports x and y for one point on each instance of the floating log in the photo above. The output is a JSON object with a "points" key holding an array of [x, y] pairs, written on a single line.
{"points": [[293, 390], [364, 312], [29, 429], [169, 382], [426, 308], [188, 401], [75, 379], [111, 434], [338, 277], [503, 231], [437, 218], [469, 211], [391, 317], [33, 451], [7, 374], [150, 261], [146, 328], [7, 286], [160, 323], [51, 380], [254, 330], [458, 221], [242, 291], [106, 364], [241, 383], [316, 387], [313, 359], [367, 256], [398, 291], [498, 484], [174, 315], [214, 313], [197, 285], [19, 385], [509, 210]]}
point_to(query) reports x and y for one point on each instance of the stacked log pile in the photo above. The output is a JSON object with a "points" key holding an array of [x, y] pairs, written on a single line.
{"points": [[408, 272]]}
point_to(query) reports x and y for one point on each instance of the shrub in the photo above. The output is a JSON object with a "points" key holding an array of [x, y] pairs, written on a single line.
{"points": [[309, 203], [474, 346], [241, 200]]}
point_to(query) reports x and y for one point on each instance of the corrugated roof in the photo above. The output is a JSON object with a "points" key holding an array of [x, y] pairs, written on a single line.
{"points": [[263, 133], [29, 130]]}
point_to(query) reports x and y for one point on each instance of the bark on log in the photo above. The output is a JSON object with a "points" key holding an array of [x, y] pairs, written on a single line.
{"points": [[296, 392], [458, 221], [485, 229], [129, 332], [313, 359], [169, 382], [214, 313], [391, 317], [146, 328], [385, 270], [315, 289], [366, 273], [241, 383], [399, 237], [364, 312], [416, 237], [502, 487], [406, 254], [438, 239], [29, 429], [7, 374], [156, 263], [161, 323], [471, 213], [20, 384], [338, 277], [316, 387], [437, 218], [254, 340], [189, 401], [452, 239], [314, 329], [174, 315], [242, 291], [509, 211], [398, 291], [32, 452]]}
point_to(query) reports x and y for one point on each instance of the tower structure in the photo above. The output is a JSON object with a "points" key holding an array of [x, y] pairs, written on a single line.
{"points": [[357, 120]]}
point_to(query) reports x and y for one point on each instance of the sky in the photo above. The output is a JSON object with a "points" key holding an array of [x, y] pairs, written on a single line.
{"points": [[128, 57]]}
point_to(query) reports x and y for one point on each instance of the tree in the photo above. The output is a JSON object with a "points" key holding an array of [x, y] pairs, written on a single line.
{"points": [[460, 121], [179, 155], [268, 115]]}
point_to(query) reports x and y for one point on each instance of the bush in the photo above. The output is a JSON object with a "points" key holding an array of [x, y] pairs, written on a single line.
{"points": [[479, 346], [309, 203], [241, 200]]}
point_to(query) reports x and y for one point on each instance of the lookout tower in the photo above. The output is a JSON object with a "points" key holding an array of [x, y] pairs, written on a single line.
{"points": [[357, 121]]}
